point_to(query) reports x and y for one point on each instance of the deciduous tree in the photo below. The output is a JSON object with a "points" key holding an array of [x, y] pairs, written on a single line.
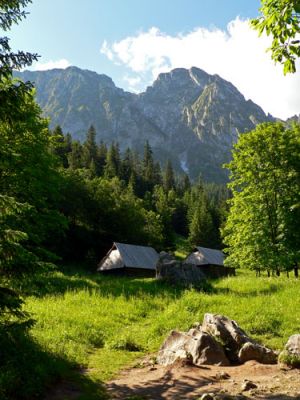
{"points": [[262, 228], [281, 19]]}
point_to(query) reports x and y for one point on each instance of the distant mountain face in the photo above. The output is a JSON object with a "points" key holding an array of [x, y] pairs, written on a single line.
{"points": [[189, 116]]}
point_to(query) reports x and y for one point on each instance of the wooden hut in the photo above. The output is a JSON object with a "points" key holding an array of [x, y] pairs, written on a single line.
{"points": [[210, 261], [129, 259]]}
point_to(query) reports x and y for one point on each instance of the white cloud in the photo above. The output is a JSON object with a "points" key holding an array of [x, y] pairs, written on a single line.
{"points": [[237, 55], [62, 64], [133, 83]]}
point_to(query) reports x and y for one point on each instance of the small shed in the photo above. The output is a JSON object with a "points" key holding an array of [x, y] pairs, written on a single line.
{"points": [[129, 259], [210, 261]]}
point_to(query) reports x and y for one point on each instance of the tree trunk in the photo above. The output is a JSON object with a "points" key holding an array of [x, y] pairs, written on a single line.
{"points": [[296, 271], [268, 274], [277, 272]]}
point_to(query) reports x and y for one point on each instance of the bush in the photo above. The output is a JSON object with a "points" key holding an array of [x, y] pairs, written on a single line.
{"points": [[289, 359]]}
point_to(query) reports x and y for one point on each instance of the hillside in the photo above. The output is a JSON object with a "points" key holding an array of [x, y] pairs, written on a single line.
{"points": [[189, 116]]}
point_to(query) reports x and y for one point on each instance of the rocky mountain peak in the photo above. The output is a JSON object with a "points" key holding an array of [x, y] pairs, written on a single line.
{"points": [[187, 115]]}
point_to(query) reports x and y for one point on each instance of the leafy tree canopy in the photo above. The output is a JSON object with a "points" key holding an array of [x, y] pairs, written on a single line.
{"points": [[262, 228], [281, 19]]}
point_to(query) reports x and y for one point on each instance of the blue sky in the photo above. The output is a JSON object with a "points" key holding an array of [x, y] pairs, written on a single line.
{"points": [[133, 40]]}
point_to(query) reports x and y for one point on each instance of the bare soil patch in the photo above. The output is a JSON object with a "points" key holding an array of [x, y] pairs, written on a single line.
{"points": [[181, 381]]}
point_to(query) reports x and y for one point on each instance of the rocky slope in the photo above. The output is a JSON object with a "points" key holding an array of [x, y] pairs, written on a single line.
{"points": [[189, 116]]}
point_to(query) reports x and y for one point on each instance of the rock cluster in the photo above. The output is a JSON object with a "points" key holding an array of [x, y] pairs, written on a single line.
{"points": [[176, 273], [219, 341], [239, 347]]}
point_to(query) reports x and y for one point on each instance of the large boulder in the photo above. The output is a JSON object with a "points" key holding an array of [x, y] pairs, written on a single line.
{"points": [[239, 347], [291, 353], [254, 351], [176, 273], [194, 346]]}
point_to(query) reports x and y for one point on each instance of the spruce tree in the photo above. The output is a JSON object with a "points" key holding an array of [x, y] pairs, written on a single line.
{"points": [[13, 96], [61, 145], [126, 167], [75, 157], [201, 228], [101, 158], [169, 180], [89, 150], [112, 164], [148, 172]]}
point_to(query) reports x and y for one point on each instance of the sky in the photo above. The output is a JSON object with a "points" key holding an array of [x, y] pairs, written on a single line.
{"points": [[132, 41]]}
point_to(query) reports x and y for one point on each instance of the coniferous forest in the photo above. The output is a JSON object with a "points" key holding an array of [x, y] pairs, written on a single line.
{"points": [[130, 198]]}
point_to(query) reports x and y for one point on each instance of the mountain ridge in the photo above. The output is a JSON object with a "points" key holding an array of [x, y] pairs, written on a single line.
{"points": [[187, 115]]}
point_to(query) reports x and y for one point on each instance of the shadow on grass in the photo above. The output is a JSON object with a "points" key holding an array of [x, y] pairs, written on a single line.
{"points": [[74, 278], [250, 293], [28, 372]]}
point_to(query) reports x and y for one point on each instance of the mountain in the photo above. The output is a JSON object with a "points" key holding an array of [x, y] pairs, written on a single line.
{"points": [[189, 116]]}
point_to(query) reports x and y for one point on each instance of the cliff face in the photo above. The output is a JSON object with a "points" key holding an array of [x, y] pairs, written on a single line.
{"points": [[189, 116]]}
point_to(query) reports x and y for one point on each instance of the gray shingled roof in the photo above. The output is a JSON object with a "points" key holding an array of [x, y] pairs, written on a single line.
{"points": [[137, 256], [132, 256], [205, 256]]}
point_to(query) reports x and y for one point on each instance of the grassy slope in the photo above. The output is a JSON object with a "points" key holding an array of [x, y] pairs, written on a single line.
{"points": [[104, 323]]}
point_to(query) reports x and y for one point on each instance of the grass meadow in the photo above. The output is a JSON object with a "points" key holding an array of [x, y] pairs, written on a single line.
{"points": [[101, 324]]}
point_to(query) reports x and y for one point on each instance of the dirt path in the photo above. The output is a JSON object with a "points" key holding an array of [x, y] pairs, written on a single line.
{"points": [[184, 382], [189, 382]]}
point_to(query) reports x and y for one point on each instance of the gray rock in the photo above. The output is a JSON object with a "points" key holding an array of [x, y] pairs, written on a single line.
{"points": [[227, 332], [173, 348], [176, 273], [196, 346], [248, 385], [291, 353], [254, 351], [239, 347]]}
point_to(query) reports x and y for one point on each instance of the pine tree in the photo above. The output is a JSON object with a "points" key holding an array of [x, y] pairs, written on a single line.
{"points": [[89, 150], [148, 172], [12, 99], [126, 167], [184, 185], [157, 174], [101, 158], [61, 145], [169, 180], [75, 157], [112, 164], [201, 228]]}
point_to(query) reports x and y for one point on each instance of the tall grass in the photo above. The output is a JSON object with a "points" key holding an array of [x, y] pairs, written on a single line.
{"points": [[104, 323]]}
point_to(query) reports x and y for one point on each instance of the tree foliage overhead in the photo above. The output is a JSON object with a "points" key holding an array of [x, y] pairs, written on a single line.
{"points": [[281, 19], [262, 228]]}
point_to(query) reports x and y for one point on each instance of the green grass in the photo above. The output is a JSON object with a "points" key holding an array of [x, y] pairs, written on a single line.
{"points": [[103, 324]]}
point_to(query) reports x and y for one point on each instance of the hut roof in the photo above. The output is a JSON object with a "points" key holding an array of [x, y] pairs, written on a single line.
{"points": [[205, 256], [134, 256]]}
